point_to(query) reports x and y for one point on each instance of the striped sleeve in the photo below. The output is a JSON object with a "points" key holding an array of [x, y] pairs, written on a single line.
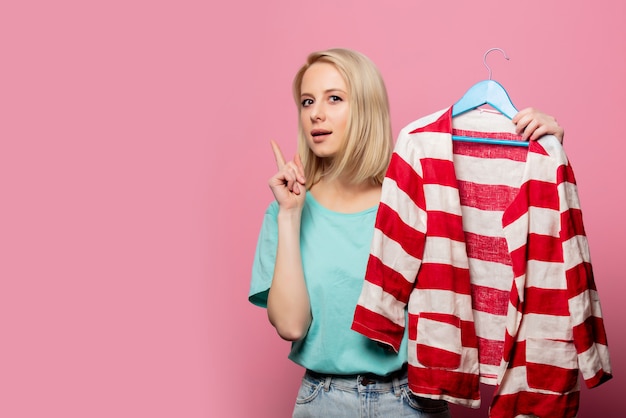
{"points": [[584, 303], [396, 251]]}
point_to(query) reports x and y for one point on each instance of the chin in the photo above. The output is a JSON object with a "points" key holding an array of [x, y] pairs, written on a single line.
{"points": [[322, 151], [324, 154]]}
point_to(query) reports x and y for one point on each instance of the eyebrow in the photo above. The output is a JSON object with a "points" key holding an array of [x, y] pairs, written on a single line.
{"points": [[327, 91]]}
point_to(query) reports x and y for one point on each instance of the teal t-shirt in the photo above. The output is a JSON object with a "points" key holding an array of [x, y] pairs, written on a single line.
{"points": [[335, 248]]}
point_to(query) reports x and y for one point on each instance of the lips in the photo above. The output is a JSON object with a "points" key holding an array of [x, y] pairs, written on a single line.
{"points": [[319, 134]]}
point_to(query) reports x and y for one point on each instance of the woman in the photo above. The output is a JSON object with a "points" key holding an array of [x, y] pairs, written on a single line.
{"points": [[320, 227]]}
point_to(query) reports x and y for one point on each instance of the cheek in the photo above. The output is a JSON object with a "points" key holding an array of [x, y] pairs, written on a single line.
{"points": [[304, 118], [345, 117]]}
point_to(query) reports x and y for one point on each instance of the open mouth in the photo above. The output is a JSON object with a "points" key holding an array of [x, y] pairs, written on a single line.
{"points": [[319, 133]]}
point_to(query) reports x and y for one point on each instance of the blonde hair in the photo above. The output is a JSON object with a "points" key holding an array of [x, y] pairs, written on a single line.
{"points": [[366, 150]]}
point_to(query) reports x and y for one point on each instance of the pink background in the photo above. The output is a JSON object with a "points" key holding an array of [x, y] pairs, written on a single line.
{"points": [[134, 157]]}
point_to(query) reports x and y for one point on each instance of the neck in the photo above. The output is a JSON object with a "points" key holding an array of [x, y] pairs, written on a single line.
{"points": [[342, 196]]}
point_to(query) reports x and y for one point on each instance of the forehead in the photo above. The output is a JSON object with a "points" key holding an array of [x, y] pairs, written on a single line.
{"points": [[322, 76]]}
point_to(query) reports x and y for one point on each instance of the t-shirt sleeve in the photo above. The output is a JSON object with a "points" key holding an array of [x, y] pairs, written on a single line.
{"points": [[264, 258]]}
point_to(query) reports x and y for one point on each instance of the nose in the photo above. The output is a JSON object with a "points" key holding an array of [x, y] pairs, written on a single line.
{"points": [[317, 113]]}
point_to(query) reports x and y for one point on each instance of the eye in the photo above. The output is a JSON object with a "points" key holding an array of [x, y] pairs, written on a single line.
{"points": [[335, 99], [306, 102]]}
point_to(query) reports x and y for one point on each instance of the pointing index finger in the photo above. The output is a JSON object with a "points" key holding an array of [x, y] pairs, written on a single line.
{"points": [[278, 155]]}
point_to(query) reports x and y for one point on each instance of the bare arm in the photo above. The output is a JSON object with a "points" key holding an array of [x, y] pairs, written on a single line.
{"points": [[288, 306]]}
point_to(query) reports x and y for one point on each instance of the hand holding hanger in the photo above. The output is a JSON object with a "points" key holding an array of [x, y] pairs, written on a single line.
{"points": [[532, 124]]}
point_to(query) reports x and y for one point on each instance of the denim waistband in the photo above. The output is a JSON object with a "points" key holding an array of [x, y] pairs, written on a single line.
{"points": [[370, 381]]}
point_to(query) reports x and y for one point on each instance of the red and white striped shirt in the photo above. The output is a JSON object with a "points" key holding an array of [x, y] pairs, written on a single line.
{"points": [[486, 246]]}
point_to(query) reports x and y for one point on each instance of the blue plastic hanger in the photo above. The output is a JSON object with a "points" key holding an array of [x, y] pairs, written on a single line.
{"points": [[487, 92]]}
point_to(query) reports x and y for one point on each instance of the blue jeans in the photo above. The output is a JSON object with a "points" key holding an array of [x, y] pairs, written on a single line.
{"points": [[363, 396]]}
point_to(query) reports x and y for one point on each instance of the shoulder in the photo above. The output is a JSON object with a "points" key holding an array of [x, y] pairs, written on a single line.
{"points": [[549, 146]]}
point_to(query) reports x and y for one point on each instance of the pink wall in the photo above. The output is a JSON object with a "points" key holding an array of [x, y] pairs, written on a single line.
{"points": [[134, 154]]}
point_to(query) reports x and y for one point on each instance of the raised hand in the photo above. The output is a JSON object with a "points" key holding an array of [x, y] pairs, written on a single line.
{"points": [[288, 184], [288, 306]]}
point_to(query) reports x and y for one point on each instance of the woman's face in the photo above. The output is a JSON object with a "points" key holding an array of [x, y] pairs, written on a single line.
{"points": [[324, 109]]}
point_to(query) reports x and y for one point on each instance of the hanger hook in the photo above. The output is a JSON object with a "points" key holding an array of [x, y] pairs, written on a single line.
{"points": [[485, 58]]}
